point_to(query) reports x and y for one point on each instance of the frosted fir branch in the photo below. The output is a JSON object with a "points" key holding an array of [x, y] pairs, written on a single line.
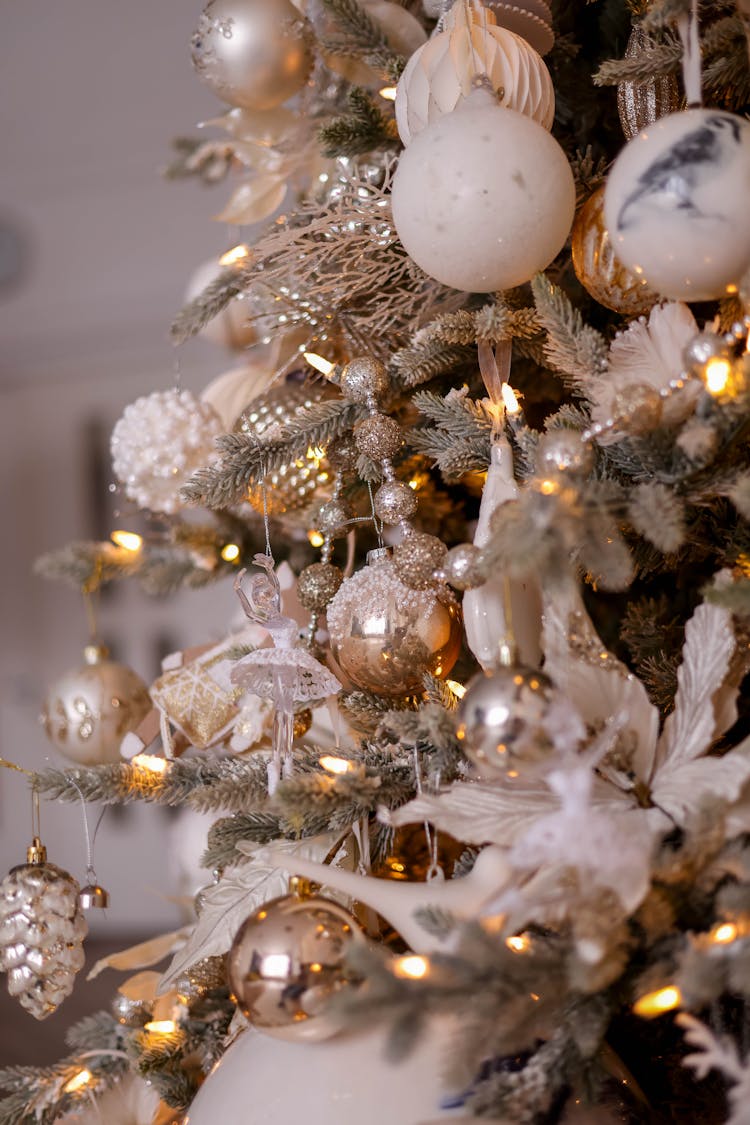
{"points": [[210, 162], [421, 363], [653, 61], [589, 172], [664, 13], [225, 834], [86, 563], [572, 347], [734, 596], [215, 297], [462, 417], [362, 38], [725, 68], [245, 459], [659, 515], [364, 128], [365, 710]]}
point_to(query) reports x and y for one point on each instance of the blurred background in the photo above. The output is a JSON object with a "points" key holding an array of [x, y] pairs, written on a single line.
{"points": [[95, 252]]}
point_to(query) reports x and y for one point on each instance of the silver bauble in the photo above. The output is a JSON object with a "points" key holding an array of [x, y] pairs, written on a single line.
{"points": [[334, 517], [252, 53], [364, 379], [701, 350], [385, 636], [395, 501], [287, 962], [317, 584], [42, 929], [417, 557], [463, 567], [562, 451], [501, 719], [131, 1013], [88, 712]]}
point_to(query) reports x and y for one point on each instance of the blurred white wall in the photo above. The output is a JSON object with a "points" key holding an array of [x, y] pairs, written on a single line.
{"points": [[90, 96]]}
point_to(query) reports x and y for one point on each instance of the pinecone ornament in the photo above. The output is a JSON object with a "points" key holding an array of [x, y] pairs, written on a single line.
{"points": [[42, 929]]}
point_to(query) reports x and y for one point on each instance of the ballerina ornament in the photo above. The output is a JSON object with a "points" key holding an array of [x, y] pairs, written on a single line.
{"points": [[286, 673]]}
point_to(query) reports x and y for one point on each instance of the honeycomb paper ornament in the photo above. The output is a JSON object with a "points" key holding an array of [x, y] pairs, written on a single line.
{"points": [[42, 929], [442, 73], [159, 442]]}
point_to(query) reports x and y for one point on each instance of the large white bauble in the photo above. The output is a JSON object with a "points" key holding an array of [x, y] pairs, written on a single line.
{"points": [[676, 204], [441, 74], [339, 1082], [252, 53], [484, 198]]}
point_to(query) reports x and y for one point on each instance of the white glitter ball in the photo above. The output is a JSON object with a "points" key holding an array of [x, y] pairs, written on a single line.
{"points": [[159, 442]]}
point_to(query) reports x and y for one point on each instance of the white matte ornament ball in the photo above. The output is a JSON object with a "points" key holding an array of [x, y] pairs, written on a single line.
{"points": [[484, 198], [441, 74], [676, 204], [159, 442], [341, 1081], [253, 54]]}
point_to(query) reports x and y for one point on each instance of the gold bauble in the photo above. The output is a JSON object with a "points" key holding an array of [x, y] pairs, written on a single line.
{"points": [[501, 720], [387, 637], [88, 712], [642, 103], [597, 268], [301, 481], [287, 962]]}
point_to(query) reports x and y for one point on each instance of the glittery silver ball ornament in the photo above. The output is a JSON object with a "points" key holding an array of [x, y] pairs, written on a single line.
{"points": [[252, 53], [562, 451], [42, 929], [701, 350], [463, 568], [342, 454], [287, 962], [333, 518], [379, 437], [88, 712], [386, 636], [131, 1013], [159, 442], [364, 379], [501, 719], [416, 559], [395, 501], [638, 407], [317, 584], [298, 483], [207, 975]]}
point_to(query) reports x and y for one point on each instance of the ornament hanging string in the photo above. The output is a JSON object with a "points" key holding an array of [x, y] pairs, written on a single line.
{"points": [[687, 25], [90, 841]]}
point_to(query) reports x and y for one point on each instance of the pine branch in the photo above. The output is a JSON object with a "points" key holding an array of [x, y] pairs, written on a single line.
{"points": [[210, 162], [658, 514], [208, 304], [86, 564], [362, 38], [363, 129], [572, 347], [420, 363], [654, 61]]}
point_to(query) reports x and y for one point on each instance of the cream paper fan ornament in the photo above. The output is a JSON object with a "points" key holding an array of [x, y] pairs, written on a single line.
{"points": [[442, 73]]}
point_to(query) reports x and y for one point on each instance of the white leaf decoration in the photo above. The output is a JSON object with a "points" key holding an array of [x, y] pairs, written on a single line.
{"points": [[143, 955], [679, 786], [713, 1053], [227, 904], [254, 200], [709, 644]]}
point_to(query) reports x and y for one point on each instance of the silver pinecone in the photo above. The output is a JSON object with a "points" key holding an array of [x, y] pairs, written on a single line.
{"points": [[41, 934]]}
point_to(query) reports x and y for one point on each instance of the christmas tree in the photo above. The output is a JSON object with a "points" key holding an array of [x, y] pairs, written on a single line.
{"points": [[478, 742]]}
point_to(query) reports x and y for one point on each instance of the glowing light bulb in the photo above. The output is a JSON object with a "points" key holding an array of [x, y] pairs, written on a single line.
{"points": [[549, 487], [510, 401], [334, 765], [519, 943], [160, 1027], [410, 967], [230, 553], [725, 933], [236, 256], [150, 763], [77, 1082], [319, 362], [658, 1002], [716, 375], [389, 93], [459, 690], [128, 540], [315, 538]]}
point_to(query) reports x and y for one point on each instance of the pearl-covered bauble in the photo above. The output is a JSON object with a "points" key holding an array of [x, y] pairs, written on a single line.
{"points": [[484, 198], [252, 53], [288, 961], [159, 442], [676, 204], [345, 1079], [598, 268], [442, 73], [386, 636], [501, 719], [88, 712]]}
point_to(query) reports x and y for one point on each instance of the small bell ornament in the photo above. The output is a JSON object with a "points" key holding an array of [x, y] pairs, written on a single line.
{"points": [[88, 711], [42, 928], [288, 961]]}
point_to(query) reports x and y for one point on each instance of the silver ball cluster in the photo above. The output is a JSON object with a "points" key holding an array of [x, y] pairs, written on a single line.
{"points": [[317, 585], [463, 567], [333, 518], [159, 442], [379, 437], [365, 379], [395, 501], [562, 451], [416, 559]]}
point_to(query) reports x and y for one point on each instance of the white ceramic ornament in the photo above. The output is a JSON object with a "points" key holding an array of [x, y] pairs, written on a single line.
{"points": [[338, 1082], [676, 204], [484, 198], [441, 74], [252, 53]]}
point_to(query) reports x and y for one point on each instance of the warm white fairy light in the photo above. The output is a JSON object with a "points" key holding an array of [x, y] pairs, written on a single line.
{"points": [[459, 690], [230, 553], [510, 401], [334, 765], [150, 763], [236, 256], [518, 943], [725, 933], [389, 93], [410, 967], [128, 540], [319, 362], [77, 1082], [658, 1002], [716, 375], [160, 1027], [315, 538]]}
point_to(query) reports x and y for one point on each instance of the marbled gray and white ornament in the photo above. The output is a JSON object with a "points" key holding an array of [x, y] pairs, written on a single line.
{"points": [[676, 204]]}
